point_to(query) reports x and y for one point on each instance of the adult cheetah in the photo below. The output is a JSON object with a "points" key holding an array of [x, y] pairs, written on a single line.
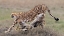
{"points": [[31, 14]]}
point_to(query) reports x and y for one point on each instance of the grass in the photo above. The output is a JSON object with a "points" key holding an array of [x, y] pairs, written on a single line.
{"points": [[58, 26], [50, 22], [56, 7], [4, 14]]}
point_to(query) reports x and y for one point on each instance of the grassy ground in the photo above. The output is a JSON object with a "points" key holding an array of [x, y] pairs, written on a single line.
{"points": [[6, 21], [56, 7]]}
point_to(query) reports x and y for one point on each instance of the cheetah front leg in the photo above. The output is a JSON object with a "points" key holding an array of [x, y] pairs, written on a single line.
{"points": [[11, 27], [42, 23]]}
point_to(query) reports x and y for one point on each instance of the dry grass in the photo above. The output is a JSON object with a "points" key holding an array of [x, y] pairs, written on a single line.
{"points": [[29, 3], [34, 32]]}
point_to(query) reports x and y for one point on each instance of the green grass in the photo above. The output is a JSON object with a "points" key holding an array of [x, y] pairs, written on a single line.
{"points": [[4, 14], [57, 26]]}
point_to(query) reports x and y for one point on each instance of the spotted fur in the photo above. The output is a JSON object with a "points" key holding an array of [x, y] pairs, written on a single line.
{"points": [[31, 14]]}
